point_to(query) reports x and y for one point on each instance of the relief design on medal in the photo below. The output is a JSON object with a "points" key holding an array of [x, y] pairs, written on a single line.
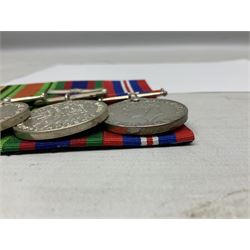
{"points": [[61, 115], [10, 110], [146, 112]]}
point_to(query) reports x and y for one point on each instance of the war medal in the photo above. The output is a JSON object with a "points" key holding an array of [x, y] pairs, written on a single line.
{"points": [[12, 113], [62, 119], [145, 116], [66, 115]]}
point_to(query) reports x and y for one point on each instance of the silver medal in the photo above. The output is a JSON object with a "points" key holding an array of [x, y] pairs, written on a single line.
{"points": [[62, 119], [145, 116], [12, 113]]}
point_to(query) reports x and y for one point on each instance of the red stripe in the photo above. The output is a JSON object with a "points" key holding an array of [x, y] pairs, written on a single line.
{"points": [[112, 139], [79, 142], [144, 86], [150, 140], [91, 85], [126, 86], [29, 90], [68, 85], [184, 134], [27, 145], [110, 88]]}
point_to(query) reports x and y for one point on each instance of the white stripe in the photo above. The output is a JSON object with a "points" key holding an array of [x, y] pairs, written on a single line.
{"points": [[144, 141], [123, 87], [129, 87], [155, 140]]}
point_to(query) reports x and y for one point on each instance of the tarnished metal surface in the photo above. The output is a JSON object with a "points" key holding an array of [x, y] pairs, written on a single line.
{"points": [[12, 113], [146, 116], [62, 119]]}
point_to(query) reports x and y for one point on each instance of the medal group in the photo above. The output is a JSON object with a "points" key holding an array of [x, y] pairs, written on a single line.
{"points": [[60, 113]]}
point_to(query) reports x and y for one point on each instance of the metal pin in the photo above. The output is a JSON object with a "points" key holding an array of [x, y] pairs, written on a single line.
{"points": [[75, 91], [85, 94], [134, 97], [161, 92], [43, 98], [91, 94], [26, 99]]}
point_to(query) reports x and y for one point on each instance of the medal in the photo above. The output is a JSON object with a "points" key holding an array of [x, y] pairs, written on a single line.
{"points": [[62, 119], [145, 116], [12, 113], [66, 115]]}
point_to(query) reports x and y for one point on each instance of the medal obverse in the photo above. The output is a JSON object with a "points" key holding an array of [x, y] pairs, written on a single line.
{"points": [[146, 116], [62, 119], [12, 113]]}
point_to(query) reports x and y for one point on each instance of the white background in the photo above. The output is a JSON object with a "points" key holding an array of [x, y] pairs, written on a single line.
{"points": [[223, 76]]}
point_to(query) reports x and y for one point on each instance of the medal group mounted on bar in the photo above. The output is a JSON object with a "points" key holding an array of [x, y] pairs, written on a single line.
{"points": [[60, 113]]}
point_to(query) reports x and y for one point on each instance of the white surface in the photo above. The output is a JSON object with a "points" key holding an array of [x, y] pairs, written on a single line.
{"points": [[208, 179], [176, 78]]}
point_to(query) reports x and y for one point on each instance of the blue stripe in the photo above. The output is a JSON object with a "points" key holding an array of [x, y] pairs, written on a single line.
{"points": [[135, 86], [167, 139], [41, 145], [80, 84], [129, 140], [118, 88]]}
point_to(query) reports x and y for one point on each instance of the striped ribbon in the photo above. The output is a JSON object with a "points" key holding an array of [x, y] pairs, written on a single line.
{"points": [[96, 137]]}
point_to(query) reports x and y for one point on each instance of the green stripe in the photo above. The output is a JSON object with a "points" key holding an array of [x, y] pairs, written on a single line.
{"points": [[43, 88], [60, 85], [98, 84], [56, 85], [53, 85], [8, 91], [95, 140], [13, 145], [3, 141], [20, 87]]}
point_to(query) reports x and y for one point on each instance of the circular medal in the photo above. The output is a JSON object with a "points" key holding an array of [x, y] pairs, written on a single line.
{"points": [[62, 119], [146, 116], [12, 113]]}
